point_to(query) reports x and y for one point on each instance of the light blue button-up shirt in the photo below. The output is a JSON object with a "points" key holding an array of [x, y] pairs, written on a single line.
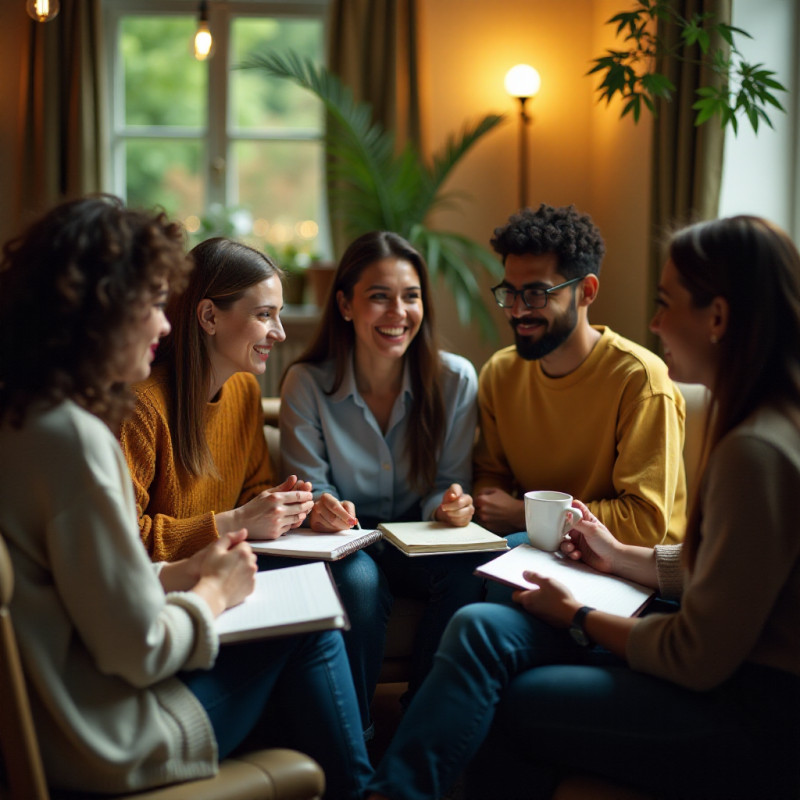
{"points": [[335, 442]]}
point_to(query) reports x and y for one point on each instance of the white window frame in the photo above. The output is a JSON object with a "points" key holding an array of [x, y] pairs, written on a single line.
{"points": [[219, 134]]}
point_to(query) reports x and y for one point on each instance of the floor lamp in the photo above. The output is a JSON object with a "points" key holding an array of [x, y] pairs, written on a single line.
{"points": [[523, 82]]}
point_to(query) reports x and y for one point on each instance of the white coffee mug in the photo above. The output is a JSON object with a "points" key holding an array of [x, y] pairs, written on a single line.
{"points": [[548, 517]]}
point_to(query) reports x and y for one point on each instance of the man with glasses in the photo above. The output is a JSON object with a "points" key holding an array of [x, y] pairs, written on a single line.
{"points": [[573, 407]]}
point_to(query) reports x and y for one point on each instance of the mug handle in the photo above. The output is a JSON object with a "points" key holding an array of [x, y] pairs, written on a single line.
{"points": [[569, 515]]}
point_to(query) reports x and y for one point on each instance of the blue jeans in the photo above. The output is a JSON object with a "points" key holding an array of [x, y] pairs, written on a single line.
{"points": [[368, 601], [298, 693], [444, 582], [524, 704]]}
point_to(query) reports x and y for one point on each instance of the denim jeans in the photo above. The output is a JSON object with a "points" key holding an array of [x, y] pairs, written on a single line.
{"points": [[524, 703], [298, 693], [444, 582], [367, 599]]}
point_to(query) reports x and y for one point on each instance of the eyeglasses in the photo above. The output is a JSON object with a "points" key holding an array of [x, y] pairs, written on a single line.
{"points": [[506, 296]]}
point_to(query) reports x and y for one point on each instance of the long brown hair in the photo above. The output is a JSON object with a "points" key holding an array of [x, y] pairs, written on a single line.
{"points": [[335, 340], [224, 270], [755, 267], [71, 289]]}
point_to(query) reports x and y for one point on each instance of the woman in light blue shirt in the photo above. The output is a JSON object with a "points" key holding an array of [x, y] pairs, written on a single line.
{"points": [[382, 424]]}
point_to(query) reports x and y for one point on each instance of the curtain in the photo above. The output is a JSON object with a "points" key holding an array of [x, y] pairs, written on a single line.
{"points": [[687, 160], [61, 98], [373, 49]]}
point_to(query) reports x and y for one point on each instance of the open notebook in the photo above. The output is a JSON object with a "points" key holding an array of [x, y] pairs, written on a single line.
{"points": [[297, 599], [590, 587], [305, 543]]}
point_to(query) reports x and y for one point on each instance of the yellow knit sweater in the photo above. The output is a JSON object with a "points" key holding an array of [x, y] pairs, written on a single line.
{"points": [[176, 510], [610, 433]]}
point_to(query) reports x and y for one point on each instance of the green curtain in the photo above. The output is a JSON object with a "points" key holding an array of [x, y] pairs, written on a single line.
{"points": [[62, 99], [687, 160], [373, 49]]}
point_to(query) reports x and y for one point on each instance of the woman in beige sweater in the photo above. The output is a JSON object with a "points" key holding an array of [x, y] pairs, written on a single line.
{"points": [[700, 700]]}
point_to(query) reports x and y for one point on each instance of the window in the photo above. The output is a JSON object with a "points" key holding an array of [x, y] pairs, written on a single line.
{"points": [[227, 151], [761, 172]]}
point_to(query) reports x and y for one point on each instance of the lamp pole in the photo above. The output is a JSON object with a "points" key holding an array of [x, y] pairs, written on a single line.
{"points": [[524, 119], [523, 82]]}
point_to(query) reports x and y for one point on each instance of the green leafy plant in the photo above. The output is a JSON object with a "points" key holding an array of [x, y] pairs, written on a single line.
{"points": [[734, 88], [372, 187]]}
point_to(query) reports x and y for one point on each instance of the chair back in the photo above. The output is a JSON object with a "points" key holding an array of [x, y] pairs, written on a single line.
{"points": [[697, 399], [24, 773]]}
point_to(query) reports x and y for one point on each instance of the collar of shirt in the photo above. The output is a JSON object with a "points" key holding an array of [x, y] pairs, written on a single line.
{"points": [[349, 388]]}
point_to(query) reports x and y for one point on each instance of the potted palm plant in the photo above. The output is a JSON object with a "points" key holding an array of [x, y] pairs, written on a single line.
{"points": [[371, 187]]}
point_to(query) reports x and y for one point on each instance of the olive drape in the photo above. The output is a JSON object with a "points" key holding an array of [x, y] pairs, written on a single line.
{"points": [[373, 48], [61, 98], [687, 160]]}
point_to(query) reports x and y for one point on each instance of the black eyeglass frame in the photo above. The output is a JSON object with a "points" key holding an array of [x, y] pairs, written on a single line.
{"points": [[531, 292]]}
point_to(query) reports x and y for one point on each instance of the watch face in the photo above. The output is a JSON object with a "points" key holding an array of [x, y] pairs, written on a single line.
{"points": [[579, 636]]}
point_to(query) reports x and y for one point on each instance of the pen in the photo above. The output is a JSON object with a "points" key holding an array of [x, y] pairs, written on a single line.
{"points": [[358, 525]]}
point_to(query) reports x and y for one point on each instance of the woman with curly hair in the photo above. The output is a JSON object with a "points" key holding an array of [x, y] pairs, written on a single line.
{"points": [[129, 686], [698, 701]]}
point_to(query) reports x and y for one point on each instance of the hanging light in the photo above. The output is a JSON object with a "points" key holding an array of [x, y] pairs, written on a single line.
{"points": [[203, 42], [42, 10]]}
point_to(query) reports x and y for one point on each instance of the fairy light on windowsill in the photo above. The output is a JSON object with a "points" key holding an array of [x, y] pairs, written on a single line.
{"points": [[42, 10]]}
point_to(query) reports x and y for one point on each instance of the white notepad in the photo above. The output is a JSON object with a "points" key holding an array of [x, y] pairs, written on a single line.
{"points": [[592, 588], [305, 543], [285, 601]]}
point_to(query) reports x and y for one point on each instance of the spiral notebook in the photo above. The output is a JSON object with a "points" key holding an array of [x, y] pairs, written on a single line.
{"points": [[305, 543]]}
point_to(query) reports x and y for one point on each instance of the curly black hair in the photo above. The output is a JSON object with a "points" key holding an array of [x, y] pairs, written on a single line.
{"points": [[572, 236], [71, 288]]}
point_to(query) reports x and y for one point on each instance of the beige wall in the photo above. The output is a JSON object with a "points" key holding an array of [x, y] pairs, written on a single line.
{"points": [[581, 152]]}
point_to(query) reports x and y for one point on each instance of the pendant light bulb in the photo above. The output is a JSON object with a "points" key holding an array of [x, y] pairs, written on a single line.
{"points": [[203, 41], [42, 10]]}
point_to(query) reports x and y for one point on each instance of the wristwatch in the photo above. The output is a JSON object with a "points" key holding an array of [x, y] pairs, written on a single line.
{"points": [[576, 629]]}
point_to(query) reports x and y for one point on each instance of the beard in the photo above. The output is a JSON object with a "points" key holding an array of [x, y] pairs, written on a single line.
{"points": [[557, 332]]}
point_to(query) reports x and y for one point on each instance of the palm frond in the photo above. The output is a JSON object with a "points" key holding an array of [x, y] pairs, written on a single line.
{"points": [[372, 188]]}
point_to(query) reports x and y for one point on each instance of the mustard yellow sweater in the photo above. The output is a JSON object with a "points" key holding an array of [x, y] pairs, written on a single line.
{"points": [[610, 434], [176, 510]]}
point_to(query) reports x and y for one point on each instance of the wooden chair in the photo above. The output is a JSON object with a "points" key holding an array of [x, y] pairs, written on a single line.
{"points": [[273, 774]]}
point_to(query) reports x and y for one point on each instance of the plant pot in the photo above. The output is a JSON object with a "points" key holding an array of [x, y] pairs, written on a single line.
{"points": [[320, 278], [294, 288]]}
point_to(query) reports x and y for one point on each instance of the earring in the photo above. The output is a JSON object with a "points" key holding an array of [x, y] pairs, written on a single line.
{"points": [[346, 317], [714, 339]]}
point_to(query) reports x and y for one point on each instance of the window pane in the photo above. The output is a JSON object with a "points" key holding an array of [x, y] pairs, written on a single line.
{"points": [[164, 84], [166, 172], [281, 185], [258, 101]]}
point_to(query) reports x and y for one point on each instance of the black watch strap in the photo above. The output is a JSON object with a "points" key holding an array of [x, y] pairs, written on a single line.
{"points": [[577, 629]]}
